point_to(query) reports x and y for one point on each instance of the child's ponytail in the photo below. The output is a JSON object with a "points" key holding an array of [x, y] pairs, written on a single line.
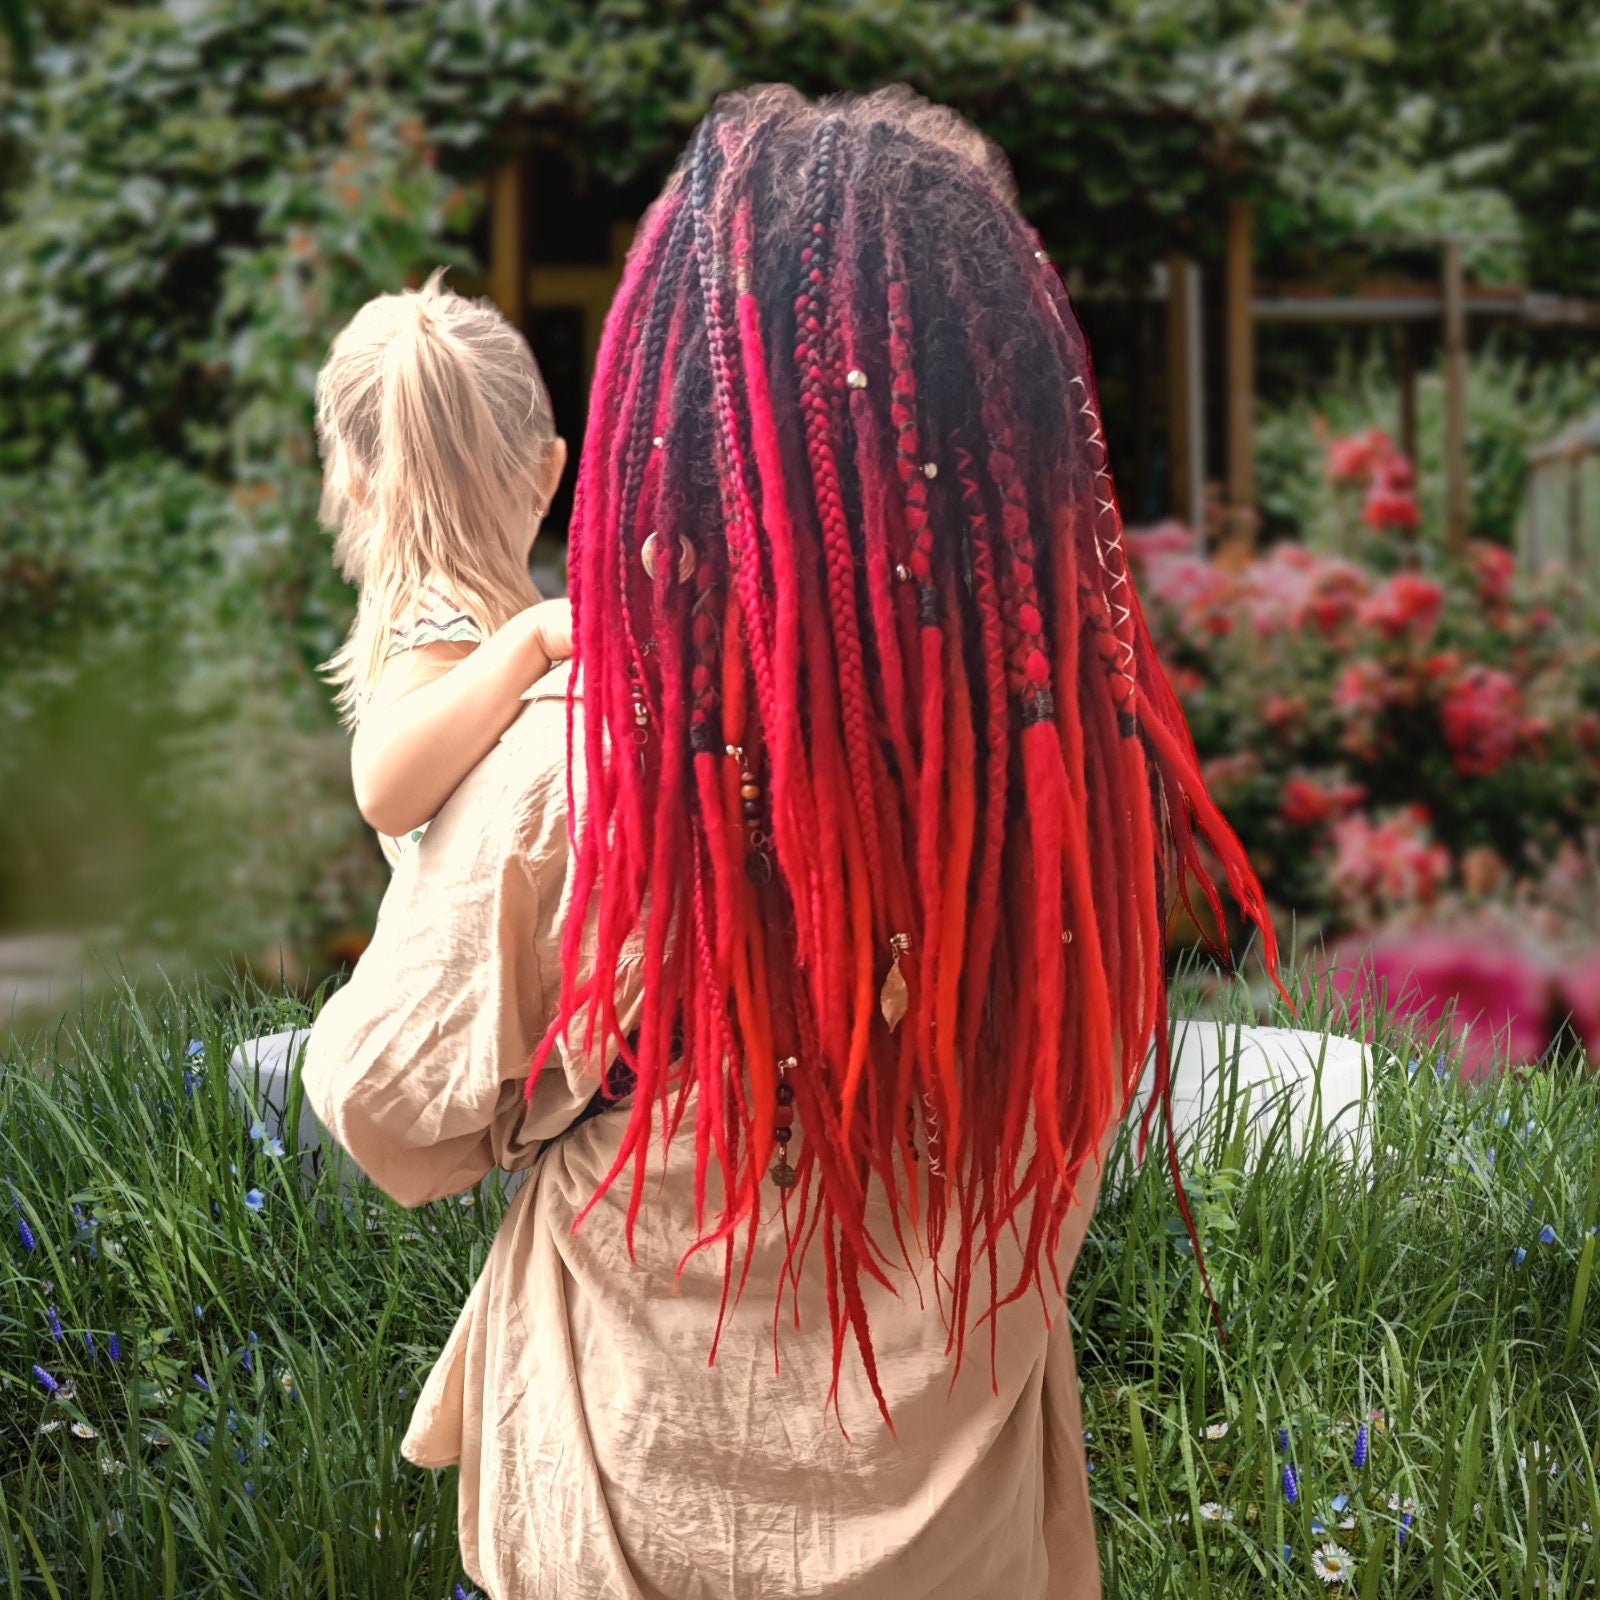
{"points": [[435, 427]]}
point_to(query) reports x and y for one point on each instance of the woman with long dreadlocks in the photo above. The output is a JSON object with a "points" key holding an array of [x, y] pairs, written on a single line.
{"points": [[833, 876]]}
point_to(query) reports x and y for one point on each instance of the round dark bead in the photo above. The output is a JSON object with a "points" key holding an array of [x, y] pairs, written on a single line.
{"points": [[783, 1135], [785, 1095]]}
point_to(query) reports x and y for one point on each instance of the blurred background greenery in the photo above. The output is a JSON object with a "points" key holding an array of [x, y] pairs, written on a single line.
{"points": [[195, 195]]}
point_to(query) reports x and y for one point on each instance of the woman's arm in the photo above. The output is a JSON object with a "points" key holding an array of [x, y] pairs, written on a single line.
{"points": [[438, 711]]}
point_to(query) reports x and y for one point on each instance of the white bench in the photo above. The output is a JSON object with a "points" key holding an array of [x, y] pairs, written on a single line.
{"points": [[1280, 1069]]}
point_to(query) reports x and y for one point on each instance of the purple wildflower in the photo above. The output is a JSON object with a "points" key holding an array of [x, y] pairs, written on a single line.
{"points": [[255, 1200], [1404, 1532], [114, 1348], [202, 1382], [1360, 1457], [1520, 1255], [1291, 1484], [1283, 1438], [1547, 1234], [55, 1323], [48, 1383], [26, 1234], [88, 1343]]}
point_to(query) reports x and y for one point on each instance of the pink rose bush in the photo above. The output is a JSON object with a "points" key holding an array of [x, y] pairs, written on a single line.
{"points": [[1406, 754], [1378, 738]]}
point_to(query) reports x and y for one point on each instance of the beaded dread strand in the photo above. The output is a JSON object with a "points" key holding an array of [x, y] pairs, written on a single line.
{"points": [[880, 763]]}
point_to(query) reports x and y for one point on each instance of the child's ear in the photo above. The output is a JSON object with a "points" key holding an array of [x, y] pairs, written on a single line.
{"points": [[554, 464]]}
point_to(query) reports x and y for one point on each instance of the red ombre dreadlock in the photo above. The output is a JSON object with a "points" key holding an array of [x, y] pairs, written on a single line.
{"points": [[867, 696]]}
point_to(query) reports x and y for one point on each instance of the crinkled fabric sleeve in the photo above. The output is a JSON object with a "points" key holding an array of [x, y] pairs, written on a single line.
{"points": [[417, 1066]]}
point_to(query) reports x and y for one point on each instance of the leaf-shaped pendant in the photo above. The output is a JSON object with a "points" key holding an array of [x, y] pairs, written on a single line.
{"points": [[894, 998]]}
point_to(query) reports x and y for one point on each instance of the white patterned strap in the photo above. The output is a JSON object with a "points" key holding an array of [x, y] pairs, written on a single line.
{"points": [[438, 618]]}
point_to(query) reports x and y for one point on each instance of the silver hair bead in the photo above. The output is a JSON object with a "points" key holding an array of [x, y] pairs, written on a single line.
{"points": [[856, 378], [1041, 255], [930, 469], [658, 441]]}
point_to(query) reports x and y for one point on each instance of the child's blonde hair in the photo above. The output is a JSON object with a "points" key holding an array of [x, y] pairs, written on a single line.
{"points": [[434, 426]]}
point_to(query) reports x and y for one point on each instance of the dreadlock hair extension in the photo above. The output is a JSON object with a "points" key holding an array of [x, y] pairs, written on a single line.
{"points": [[865, 679]]}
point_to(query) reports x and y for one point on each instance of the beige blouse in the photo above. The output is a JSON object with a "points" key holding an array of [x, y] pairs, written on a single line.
{"points": [[600, 1455]]}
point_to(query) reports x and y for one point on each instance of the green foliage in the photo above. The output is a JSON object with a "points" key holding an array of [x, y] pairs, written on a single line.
{"points": [[172, 781]]}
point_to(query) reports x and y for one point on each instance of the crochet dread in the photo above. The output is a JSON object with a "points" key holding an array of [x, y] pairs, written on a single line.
{"points": [[882, 772]]}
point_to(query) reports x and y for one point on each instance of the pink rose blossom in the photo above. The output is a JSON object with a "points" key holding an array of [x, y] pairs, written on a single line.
{"points": [[1405, 604], [1482, 721]]}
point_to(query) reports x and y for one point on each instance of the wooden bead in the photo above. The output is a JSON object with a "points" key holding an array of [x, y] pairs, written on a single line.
{"points": [[749, 791], [783, 1117]]}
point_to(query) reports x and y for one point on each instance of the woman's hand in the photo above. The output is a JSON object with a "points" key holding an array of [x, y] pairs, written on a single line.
{"points": [[539, 637]]}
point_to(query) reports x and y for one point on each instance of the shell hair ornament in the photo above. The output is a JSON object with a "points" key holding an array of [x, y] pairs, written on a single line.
{"points": [[686, 557]]}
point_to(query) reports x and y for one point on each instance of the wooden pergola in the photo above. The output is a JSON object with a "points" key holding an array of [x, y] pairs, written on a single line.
{"points": [[1449, 302], [519, 286]]}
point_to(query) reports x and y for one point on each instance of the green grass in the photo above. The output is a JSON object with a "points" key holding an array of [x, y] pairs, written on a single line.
{"points": [[314, 1319]]}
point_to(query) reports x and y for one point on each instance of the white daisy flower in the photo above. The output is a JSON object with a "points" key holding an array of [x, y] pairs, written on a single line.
{"points": [[1213, 1511], [1346, 1523], [157, 1438], [1332, 1563], [82, 1430], [112, 1467], [1179, 1516], [65, 1392], [1217, 1430], [1397, 1504], [51, 1426]]}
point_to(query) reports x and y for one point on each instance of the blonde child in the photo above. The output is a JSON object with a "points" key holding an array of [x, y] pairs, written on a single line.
{"points": [[440, 457]]}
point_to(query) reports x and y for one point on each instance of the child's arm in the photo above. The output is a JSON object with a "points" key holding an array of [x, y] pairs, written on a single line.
{"points": [[438, 711]]}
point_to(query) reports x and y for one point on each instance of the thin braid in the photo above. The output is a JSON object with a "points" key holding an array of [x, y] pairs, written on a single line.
{"points": [[743, 546], [818, 390], [930, 774], [986, 907]]}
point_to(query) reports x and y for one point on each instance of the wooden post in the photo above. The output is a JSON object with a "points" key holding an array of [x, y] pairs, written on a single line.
{"points": [[1178, 419], [1241, 519], [1455, 399], [1406, 378], [1185, 392], [1575, 551], [508, 240]]}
